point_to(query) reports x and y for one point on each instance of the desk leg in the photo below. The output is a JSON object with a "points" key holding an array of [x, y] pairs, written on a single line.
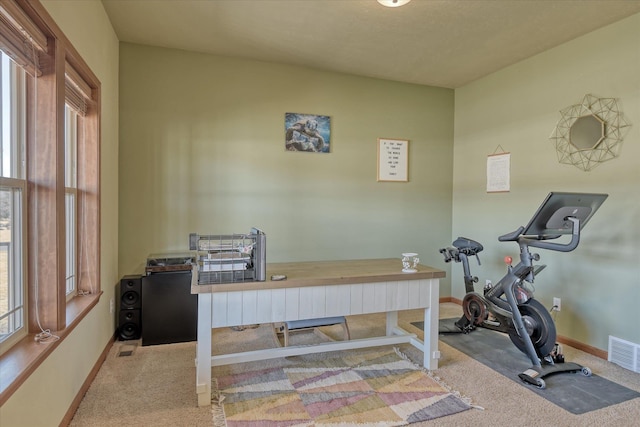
{"points": [[203, 350], [431, 315], [392, 322]]}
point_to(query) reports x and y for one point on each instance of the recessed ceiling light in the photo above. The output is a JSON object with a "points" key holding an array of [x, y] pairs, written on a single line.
{"points": [[393, 3]]}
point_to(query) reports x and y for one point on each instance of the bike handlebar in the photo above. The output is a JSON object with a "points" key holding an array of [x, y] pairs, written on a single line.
{"points": [[469, 247], [511, 237], [560, 247], [541, 241]]}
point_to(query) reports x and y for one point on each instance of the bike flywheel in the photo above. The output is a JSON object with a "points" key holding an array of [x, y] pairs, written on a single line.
{"points": [[474, 308], [539, 326]]}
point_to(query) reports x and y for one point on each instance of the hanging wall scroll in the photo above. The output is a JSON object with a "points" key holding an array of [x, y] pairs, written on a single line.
{"points": [[498, 171]]}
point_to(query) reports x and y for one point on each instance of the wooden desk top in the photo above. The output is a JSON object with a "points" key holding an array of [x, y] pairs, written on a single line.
{"points": [[323, 273]]}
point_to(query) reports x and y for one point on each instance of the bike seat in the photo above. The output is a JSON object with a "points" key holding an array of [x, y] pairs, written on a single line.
{"points": [[467, 246]]}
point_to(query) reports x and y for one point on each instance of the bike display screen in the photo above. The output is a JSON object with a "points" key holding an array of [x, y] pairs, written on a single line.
{"points": [[551, 218]]}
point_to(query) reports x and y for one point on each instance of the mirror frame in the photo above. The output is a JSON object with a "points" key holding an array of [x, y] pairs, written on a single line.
{"points": [[607, 145]]}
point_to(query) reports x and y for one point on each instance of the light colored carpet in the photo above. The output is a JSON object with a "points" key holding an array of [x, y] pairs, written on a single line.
{"points": [[155, 386]]}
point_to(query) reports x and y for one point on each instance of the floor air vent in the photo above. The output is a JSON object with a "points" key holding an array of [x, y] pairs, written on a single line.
{"points": [[126, 350], [624, 353]]}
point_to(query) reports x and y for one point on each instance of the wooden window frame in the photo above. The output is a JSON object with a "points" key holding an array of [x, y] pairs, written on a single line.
{"points": [[45, 237]]}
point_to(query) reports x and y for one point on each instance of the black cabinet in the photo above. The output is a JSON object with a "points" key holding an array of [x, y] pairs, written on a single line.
{"points": [[169, 309]]}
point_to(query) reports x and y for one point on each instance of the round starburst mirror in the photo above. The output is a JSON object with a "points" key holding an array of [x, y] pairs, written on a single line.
{"points": [[589, 133]]}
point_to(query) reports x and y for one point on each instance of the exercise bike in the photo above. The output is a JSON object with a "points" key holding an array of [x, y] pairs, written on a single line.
{"points": [[509, 306]]}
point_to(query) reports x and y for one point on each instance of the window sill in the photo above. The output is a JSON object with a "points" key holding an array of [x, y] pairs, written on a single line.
{"points": [[18, 363]]}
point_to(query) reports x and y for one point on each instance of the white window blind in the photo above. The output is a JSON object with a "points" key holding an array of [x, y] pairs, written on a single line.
{"points": [[20, 38], [77, 92]]}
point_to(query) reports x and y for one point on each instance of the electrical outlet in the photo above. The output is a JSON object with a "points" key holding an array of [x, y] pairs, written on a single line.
{"points": [[111, 306], [557, 303]]}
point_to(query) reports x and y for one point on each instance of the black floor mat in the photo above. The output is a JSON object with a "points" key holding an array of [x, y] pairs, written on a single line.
{"points": [[573, 392]]}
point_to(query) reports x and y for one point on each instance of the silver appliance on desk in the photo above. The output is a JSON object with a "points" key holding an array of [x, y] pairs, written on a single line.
{"points": [[229, 258]]}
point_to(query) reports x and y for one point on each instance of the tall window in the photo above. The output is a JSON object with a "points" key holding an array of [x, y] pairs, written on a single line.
{"points": [[49, 178], [12, 193]]}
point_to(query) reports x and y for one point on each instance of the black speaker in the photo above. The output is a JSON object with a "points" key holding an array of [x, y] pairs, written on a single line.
{"points": [[130, 325], [131, 293], [130, 317]]}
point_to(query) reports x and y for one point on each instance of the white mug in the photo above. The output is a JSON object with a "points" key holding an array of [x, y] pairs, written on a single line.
{"points": [[410, 261]]}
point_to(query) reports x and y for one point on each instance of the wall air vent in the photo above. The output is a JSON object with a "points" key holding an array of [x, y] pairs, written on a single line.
{"points": [[624, 353]]}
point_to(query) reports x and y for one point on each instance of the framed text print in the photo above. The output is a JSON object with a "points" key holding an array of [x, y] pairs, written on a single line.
{"points": [[393, 159]]}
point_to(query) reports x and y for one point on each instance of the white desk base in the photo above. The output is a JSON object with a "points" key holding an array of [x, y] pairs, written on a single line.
{"points": [[247, 307]]}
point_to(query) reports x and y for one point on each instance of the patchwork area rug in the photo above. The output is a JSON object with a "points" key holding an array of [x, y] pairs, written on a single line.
{"points": [[377, 388]]}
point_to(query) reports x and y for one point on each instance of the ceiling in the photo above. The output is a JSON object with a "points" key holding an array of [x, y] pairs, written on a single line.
{"points": [[446, 43]]}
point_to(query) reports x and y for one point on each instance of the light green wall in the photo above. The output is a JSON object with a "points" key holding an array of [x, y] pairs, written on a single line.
{"points": [[517, 109], [202, 150], [45, 397]]}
